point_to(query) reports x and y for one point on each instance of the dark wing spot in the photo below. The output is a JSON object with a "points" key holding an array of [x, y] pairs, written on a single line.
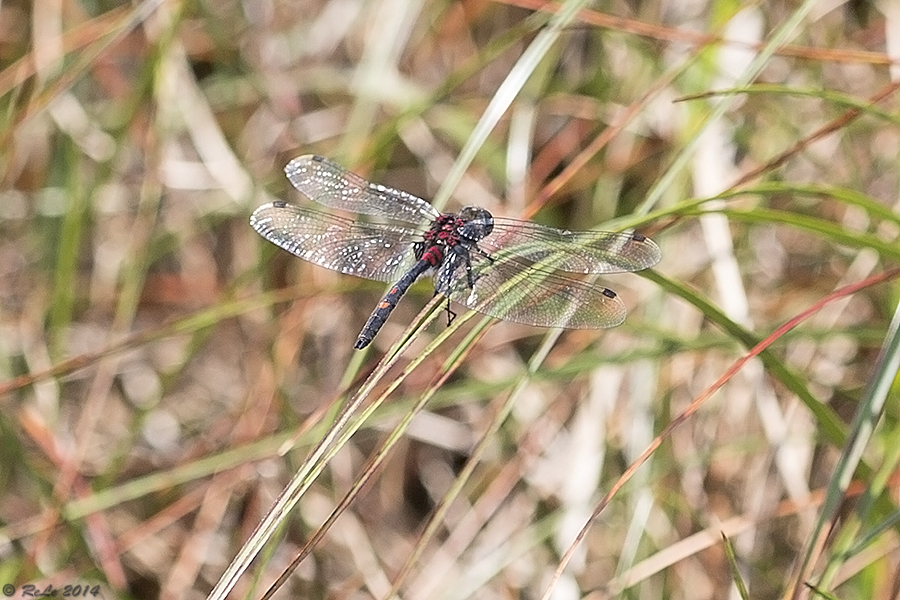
{"points": [[609, 293]]}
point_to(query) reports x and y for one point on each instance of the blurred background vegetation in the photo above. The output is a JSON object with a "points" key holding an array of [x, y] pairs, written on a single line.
{"points": [[164, 372]]}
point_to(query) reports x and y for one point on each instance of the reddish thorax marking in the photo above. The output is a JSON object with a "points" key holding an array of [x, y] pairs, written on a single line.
{"points": [[444, 232]]}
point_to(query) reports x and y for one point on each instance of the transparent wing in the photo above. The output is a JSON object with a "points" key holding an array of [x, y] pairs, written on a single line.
{"points": [[573, 251], [370, 250], [509, 288], [324, 182]]}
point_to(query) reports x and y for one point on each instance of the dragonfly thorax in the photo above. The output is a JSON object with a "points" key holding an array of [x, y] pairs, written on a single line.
{"points": [[465, 228]]}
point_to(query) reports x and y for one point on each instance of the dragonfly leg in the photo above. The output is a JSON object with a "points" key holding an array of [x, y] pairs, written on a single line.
{"points": [[450, 314], [483, 254], [470, 277]]}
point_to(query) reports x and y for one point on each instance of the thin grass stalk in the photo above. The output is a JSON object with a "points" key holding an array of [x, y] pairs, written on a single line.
{"points": [[827, 229], [690, 546], [492, 564], [698, 39], [832, 126], [861, 430], [505, 94], [473, 461], [337, 436], [69, 242], [848, 196], [830, 423], [879, 483], [309, 470], [173, 327], [778, 39], [735, 569], [67, 78], [386, 133], [867, 106], [377, 459], [600, 141], [698, 402], [392, 24]]}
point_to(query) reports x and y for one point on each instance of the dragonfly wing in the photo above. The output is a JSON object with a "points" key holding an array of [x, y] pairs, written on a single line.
{"points": [[573, 251], [329, 184], [509, 288], [370, 250]]}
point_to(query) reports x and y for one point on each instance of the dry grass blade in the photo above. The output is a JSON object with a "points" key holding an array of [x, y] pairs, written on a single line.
{"points": [[703, 397], [735, 570]]}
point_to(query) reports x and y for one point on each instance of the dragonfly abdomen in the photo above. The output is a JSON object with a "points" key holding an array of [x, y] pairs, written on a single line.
{"points": [[390, 300]]}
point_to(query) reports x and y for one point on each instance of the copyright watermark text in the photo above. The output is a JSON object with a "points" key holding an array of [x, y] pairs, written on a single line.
{"points": [[30, 590]]}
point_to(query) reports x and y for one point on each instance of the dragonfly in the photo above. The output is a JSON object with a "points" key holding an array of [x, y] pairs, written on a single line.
{"points": [[506, 268]]}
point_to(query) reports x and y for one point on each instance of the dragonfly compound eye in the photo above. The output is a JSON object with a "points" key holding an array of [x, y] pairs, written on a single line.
{"points": [[478, 223]]}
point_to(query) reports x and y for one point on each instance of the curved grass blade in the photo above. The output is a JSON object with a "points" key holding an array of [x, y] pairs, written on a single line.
{"points": [[756, 350], [505, 94], [343, 427], [867, 416]]}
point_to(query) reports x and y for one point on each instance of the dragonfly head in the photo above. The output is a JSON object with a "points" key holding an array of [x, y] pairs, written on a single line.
{"points": [[477, 223]]}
